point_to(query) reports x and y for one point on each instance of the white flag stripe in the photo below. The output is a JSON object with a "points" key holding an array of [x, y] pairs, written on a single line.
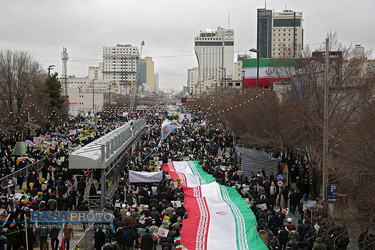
{"points": [[181, 166], [192, 180], [224, 220], [267, 72], [220, 235]]}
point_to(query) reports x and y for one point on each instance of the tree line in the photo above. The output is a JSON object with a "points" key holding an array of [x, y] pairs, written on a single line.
{"points": [[26, 90], [293, 122]]}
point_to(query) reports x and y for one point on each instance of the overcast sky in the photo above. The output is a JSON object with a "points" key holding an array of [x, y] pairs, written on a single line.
{"points": [[168, 27]]}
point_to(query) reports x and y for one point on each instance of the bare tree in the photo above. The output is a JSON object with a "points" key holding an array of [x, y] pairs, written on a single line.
{"points": [[354, 171], [19, 74], [297, 122], [349, 84]]}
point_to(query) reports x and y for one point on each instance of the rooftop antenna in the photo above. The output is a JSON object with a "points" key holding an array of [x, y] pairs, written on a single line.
{"points": [[286, 7], [265, 4], [228, 20], [64, 58]]}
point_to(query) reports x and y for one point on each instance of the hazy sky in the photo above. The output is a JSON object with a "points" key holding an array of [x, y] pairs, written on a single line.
{"points": [[168, 27]]}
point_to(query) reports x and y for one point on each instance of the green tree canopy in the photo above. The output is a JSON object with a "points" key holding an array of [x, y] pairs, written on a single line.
{"points": [[54, 90]]}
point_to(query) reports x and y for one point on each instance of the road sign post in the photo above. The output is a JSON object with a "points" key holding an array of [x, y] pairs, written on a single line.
{"points": [[332, 191], [280, 184]]}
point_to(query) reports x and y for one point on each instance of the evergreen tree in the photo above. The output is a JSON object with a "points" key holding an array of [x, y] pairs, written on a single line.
{"points": [[54, 90]]}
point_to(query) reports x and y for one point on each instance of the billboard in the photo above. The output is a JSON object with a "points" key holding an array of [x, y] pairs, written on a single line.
{"points": [[270, 71]]}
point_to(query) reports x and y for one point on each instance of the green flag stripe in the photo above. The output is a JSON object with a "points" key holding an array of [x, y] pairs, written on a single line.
{"points": [[247, 234], [193, 169], [246, 230], [269, 63], [204, 177]]}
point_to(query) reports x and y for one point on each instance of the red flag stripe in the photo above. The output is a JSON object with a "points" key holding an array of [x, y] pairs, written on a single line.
{"points": [[195, 230], [263, 81]]}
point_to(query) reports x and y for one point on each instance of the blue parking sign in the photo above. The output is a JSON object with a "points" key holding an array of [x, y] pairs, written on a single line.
{"points": [[332, 192]]}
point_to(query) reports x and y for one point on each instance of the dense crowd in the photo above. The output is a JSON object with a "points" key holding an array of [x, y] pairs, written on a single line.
{"points": [[141, 210]]}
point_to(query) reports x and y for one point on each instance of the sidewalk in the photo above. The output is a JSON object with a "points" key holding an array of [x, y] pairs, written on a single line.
{"points": [[353, 244]]}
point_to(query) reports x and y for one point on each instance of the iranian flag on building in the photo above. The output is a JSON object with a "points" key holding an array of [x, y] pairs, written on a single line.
{"points": [[219, 218], [270, 71]]}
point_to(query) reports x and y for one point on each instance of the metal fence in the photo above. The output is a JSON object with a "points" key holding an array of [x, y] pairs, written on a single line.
{"points": [[94, 201], [37, 166], [87, 240]]}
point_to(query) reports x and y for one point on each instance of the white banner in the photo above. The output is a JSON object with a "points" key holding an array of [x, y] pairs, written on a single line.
{"points": [[72, 132], [135, 176]]}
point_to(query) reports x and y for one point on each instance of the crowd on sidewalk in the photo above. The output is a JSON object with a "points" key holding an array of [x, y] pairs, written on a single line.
{"points": [[212, 146], [152, 214], [46, 189]]}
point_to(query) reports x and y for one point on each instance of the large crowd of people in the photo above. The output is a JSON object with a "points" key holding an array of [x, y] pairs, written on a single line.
{"points": [[287, 219]]}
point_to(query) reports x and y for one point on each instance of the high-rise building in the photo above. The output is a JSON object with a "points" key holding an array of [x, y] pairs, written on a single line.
{"points": [[192, 79], [359, 51], [146, 73], [156, 82], [215, 54], [279, 34], [96, 72], [120, 64]]}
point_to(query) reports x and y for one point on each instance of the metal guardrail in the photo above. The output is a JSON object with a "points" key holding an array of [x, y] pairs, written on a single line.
{"points": [[86, 241], [94, 201], [37, 166]]}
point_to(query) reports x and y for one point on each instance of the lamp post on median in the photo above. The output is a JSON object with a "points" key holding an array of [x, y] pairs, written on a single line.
{"points": [[93, 97], [257, 52], [49, 69], [243, 81], [225, 76]]}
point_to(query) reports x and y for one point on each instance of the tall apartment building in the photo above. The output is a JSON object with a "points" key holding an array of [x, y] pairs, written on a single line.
{"points": [[279, 34], [146, 73], [156, 82], [192, 79], [215, 54], [81, 90], [120, 64], [96, 72], [359, 51]]}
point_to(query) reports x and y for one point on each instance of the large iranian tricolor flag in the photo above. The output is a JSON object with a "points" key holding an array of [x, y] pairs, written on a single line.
{"points": [[270, 71], [190, 173], [218, 218]]}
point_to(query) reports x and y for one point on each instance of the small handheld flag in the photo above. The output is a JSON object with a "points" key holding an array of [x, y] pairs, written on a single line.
{"points": [[155, 235], [177, 239]]}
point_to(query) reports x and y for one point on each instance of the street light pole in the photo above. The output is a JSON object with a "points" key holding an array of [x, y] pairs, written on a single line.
{"points": [[49, 69], [225, 78], [258, 69], [110, 101], [243, 81], [93, 97], [257, 52], [326, 122], [93, 103]]}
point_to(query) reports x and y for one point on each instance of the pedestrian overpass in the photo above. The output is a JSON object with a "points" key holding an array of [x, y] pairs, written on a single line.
{"points": [[106, 153]]}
